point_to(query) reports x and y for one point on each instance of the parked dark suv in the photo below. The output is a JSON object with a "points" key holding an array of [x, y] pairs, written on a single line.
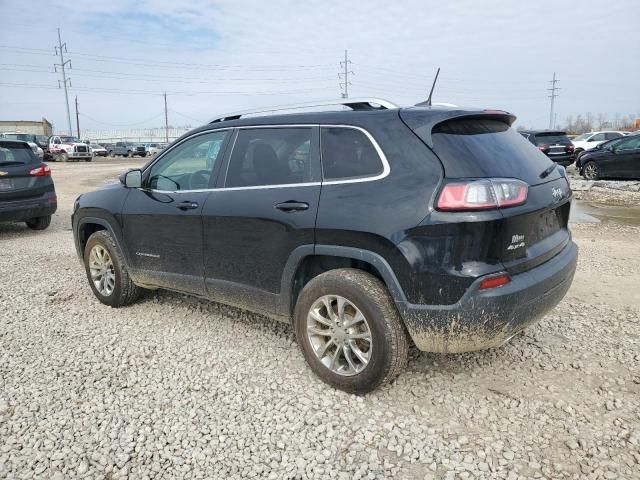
{"points": [[27, 193], [553, 143], [366, 229]]}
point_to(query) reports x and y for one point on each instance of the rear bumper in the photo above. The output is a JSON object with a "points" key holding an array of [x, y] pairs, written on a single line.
{"points": [[486, 319], [564, 160], [19, 211]]}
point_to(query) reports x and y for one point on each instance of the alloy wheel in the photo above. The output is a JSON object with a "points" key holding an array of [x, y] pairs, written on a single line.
{"points": [[102, 270], [591, 171], [339, 335]]}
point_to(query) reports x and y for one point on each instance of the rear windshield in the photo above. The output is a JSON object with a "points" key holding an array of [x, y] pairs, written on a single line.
{"points": [[477, 147], [16, 154], [19, 136], [552, 139]]}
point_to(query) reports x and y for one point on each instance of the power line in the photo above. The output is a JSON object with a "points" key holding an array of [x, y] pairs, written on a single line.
{"points": [[344, 85], [122, 124], [63, 63], [156, 93], [552, 97]]}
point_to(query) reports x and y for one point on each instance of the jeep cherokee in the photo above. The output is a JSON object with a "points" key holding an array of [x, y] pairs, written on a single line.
{"points": [[365, 229]]}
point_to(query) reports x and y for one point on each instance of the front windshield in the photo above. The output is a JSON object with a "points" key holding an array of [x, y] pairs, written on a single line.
{"points": [[70, 139], [584, 136]]}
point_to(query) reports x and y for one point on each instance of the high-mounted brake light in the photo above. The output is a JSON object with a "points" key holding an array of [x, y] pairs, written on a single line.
{"points": [[495, 281], [483, 194], [41, 171]]}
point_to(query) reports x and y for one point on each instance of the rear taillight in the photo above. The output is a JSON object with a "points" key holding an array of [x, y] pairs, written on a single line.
{"points": [[543, 148], [495, 281], [569, 148], [483, 194], [41, 171]]}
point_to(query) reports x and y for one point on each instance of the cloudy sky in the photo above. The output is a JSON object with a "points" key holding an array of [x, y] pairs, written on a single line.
{"points": [[213, 57]]}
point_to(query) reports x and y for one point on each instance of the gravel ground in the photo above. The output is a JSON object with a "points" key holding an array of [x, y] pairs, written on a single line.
{"points": [[176, 387]]}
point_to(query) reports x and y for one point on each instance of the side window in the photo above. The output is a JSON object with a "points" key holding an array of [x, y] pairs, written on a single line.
{"points": [[598, 137], [270, 156], [632, 143], [348, 153], [189, 165]]}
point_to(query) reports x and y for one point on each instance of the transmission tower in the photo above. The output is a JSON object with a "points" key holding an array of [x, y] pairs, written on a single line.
{"points": [[344, 75], [60, 50], [553, 96]]}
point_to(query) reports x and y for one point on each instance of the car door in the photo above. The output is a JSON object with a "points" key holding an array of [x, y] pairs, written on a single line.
{"points": [[162, 222], [264, 209], [595, 140], [627, 154]]}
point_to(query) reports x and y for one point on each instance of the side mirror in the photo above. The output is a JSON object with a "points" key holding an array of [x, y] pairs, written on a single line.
{"points": [[131, 179]]}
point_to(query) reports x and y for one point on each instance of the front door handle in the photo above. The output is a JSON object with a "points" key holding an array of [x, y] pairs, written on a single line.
{"points": [[292, 206], [187, 205]]}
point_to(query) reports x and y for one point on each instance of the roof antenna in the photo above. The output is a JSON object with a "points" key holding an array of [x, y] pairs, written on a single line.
{"points": [[427, 103]]}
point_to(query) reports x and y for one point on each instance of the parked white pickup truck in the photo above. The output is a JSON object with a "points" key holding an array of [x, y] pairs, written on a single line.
{"points": [[63, 148]]}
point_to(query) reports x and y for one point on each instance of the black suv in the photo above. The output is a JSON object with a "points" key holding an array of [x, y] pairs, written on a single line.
{"points": [[27, 193], [553, 143], [366, 229]]}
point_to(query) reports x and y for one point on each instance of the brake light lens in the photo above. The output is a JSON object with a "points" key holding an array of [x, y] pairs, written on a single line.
{"points": [[495, 281], [483, 194], [569, 148], [543, 148], [41, 171]]}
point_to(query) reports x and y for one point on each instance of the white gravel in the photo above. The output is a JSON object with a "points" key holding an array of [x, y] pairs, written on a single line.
{"points": [[176, 387]]}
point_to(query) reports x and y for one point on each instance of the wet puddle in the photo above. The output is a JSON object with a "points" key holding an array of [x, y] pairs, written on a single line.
{"points": [[583, 212]]}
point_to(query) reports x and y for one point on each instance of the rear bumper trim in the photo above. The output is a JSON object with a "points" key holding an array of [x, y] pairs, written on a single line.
{"points": [[486, 319]]}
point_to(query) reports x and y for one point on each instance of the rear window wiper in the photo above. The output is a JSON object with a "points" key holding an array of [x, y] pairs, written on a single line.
{"points": [[548, 171]]}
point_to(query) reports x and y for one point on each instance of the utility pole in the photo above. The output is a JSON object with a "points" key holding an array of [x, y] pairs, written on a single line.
{"points": [[553, 96], [77, 119], [166, 120], [345, 75], [60, 50]]}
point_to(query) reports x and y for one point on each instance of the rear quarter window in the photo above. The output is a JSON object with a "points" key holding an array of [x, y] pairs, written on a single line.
{"points": [[347, 153]]}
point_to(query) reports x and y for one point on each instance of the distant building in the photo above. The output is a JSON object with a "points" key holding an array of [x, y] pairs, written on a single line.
{"points": [[41, 127]]}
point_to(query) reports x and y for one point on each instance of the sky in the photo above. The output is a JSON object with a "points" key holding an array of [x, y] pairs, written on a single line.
{"points": [[214, 57]]}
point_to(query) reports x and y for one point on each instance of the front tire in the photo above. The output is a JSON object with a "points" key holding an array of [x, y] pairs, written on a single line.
{"points": [[39, 223], [64, 157], [349, 330], [107, 272], [591, 171]]}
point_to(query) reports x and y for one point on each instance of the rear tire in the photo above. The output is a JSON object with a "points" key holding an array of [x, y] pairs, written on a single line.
{"points": [[107, 272], [366, 345], [39, 223], [64, 157], [591, 171]]}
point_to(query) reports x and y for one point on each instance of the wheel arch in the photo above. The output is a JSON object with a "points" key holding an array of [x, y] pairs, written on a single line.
{"points": [[308, 261], [89, 225]]}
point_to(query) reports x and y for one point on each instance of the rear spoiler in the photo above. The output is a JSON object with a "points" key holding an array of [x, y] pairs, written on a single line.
{"points": [[422, 120]]}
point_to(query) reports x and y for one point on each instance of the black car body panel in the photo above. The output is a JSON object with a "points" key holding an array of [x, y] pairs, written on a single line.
{"points": [[247, 245], [23, 196]]}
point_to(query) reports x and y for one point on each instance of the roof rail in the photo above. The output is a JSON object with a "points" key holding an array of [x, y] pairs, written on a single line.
{"points": [[353, 103]]}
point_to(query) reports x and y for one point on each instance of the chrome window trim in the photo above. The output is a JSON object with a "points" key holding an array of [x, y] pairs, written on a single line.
{"points": [[386, 168]]}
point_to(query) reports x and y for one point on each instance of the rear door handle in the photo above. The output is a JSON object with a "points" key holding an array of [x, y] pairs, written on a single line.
{"points": [[187, 205], [292, 206]]}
